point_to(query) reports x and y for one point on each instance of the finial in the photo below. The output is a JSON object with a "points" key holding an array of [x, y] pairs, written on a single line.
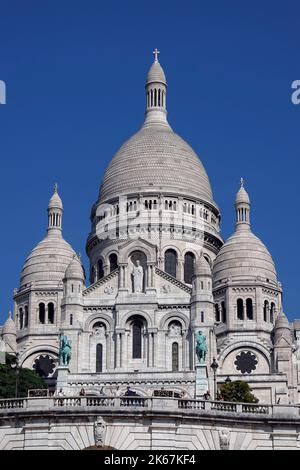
{"points": [[56, 188], [242, 182], [156, 52], [9, 314]]}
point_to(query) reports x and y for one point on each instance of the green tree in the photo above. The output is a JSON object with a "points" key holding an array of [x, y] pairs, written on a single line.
{"points": [[27, 379], [237, 391]]}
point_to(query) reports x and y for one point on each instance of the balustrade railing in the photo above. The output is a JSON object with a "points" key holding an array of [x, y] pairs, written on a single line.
{"points": [[134, 401], [223, 406], [12, 403], [191, 404], [100, 401], [260, 409], [67, 401]]}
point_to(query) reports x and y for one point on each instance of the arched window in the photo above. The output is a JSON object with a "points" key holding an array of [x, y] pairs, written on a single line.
{"points": [[21, 318], [189, 267], [93, 275], [51, 313], [240, 309], [224, 316], [26, 317], [217, 313], [266, 308], [137, 328], [99, 358], [113, 262], [100, 269], [42, 316], [249, 309], [175, 357], [202, 317], [171, 262], [272, 311]]}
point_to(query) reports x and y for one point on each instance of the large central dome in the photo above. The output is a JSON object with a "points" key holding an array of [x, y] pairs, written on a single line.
{"points": [[155, 158]]}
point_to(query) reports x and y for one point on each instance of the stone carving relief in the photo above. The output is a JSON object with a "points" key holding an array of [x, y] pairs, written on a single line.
{"points": [[109, 290], [165, 289], [175, 329], [99, 431], [224, 437], [99, 329]]}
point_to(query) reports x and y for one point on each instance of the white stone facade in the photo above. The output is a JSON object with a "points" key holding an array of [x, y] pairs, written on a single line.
{"points": [[156, 210]]}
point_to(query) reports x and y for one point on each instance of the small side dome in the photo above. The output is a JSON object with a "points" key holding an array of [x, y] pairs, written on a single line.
{"points": [[9, 327], [282, 322], [75, 270], [55, 201], [202, 267]]}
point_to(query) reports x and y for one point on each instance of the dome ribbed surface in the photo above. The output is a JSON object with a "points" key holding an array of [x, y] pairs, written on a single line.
{"points": [[9, 327], [48, 261], [244, 256], [242, 196], [156, 73], [55, 202], [202, 267], [75, 270], [156, 159]]}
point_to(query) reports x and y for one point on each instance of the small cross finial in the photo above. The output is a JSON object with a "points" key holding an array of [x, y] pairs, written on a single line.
{"points": [[56, 188], [242, 182], [156, 52]]}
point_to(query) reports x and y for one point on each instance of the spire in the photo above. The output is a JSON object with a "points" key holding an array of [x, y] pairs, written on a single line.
{"points": [[55, 211], [242, 207], [156, 92]]}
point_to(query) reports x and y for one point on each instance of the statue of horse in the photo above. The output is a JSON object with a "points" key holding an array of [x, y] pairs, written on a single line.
{"points": [[64, 351], [201, 347]]}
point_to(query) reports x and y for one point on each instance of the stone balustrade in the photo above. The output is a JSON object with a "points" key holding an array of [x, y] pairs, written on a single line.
{"points": [[151, 403]]}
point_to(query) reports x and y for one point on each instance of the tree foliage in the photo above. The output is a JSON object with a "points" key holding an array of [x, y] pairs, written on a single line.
{"points": [[237, 391], [27, 379]]}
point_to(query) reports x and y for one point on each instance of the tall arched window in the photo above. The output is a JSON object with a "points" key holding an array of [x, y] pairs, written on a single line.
{"points": [[137, 326], [266, 308], [240, 309], [21, 318], [189, 267], [217, 313], [175, 357], [249, 309], [224, 316], [272, 312], [42, 312], [26, 317], [113, 262], [51, 313], [100, 269], [171, 262], [99, 358]]}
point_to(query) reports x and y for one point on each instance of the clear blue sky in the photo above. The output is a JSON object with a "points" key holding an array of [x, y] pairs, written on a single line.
{"points": [[75, 73]]}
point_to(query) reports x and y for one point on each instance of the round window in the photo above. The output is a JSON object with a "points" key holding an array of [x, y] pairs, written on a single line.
{"points": [[246, 362]]}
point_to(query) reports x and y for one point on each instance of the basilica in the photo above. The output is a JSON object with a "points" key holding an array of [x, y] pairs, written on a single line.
{"points": [[159, 273]]}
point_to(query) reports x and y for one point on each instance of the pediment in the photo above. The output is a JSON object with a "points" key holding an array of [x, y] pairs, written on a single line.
{"points": [[106, 287]]}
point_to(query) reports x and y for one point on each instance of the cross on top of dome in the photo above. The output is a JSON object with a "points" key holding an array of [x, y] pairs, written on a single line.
{"points": [[156, 52]]}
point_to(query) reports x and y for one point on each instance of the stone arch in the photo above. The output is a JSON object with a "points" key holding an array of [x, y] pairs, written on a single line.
{"points": [[245, 345], [174, 316], [133, 313], [99, 317], [148, 249], [41, 349]]}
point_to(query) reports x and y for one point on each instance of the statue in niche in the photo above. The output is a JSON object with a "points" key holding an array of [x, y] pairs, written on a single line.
{"points": [[138, 277], [99, 431], [224, 436]]}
